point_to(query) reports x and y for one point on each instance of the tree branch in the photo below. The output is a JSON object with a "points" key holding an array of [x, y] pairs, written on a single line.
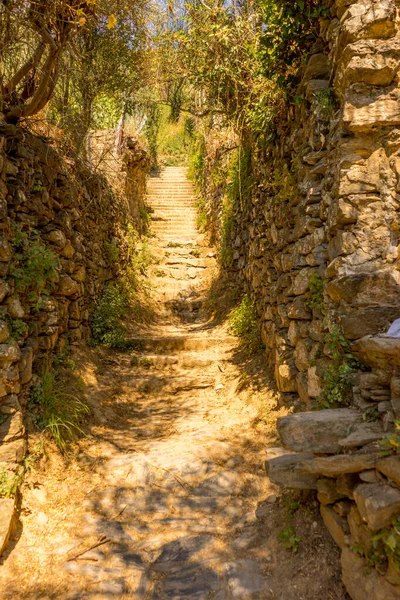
{"points": [[24, 70]]}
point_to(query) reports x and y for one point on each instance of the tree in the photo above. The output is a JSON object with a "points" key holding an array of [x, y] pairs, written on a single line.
{"points": [[34, 35]]}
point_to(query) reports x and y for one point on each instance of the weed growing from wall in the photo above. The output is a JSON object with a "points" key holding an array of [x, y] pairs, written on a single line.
{"points": [[244, 323], [196, 165], [315, 297], [151, 129], [327, 101], [105, 322], [385, 546], [391, 442], [388, 540], [117, 297], [34, 267], [112, 251], [237, 195], [337, 380], [284, 184]]}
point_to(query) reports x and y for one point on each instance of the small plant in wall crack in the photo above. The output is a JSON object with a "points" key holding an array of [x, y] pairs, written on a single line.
{"points": [[244, 323], [389, 541], [315, 299], [337, 380], [35, 267], [391, 442], [385, 547]]}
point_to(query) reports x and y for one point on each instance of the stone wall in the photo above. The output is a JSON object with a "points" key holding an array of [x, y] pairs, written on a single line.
{"points": [[59, 221], [317, 247]]}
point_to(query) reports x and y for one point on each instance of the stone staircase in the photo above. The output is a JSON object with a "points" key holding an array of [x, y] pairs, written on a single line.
{"points": [[168, 500], [174, 480]]}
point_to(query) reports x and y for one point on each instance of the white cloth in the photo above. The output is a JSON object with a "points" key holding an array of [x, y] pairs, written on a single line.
{"points": [[394, 329]]}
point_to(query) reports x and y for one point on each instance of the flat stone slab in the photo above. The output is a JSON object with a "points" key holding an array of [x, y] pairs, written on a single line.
{"points": [[390, 466], [243, 578], [7, 519], [318, 431], [191, 582], [282, 467], [365, 433], [224, 483], [179, 552], [378, 504], [333, 466]]}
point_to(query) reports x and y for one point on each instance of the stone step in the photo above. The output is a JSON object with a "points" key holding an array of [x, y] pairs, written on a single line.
{"points": [[165, 344], [200, 263], [170, 384], [182, 360], [173, 203], [171, 223]]}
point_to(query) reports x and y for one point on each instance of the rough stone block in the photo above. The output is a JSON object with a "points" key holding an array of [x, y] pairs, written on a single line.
{"points": [[285, 375], [378, 351], [327, 491], [378, 288], [390, 466], [371, 109], [282, 467], [378, 504], [9, 353], [359, 531], [362, 583], [318, 431], [336, 525], [363, 434], [4, 331], [366, 19], [299, 310], [314, 382], [300, 355], [360, 321], [395, 395]]}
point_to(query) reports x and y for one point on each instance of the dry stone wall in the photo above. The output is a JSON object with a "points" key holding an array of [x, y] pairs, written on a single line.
{"points": [[317, 247], [58, 221]]}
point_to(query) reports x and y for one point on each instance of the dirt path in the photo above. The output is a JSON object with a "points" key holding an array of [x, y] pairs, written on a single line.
{"points": [[167, 498]]}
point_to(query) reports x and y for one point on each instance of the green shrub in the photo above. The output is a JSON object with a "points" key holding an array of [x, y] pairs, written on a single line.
{"points": [[244, 323], [55, 409], [105, 322], [34, 268]]}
